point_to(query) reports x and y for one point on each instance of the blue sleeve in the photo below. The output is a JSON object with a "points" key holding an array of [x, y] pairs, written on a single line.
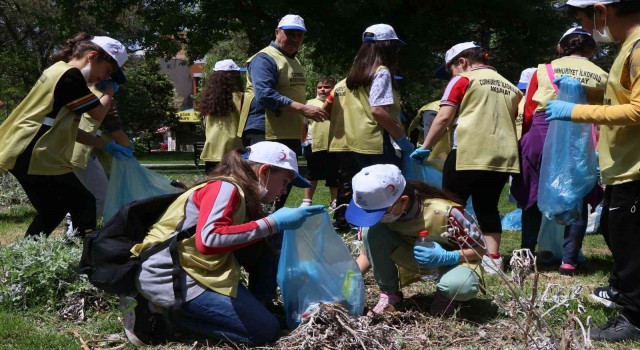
{"points": [[264, 76]]}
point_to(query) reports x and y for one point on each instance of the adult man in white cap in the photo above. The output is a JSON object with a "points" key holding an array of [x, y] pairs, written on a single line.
{"points": [[274, 100]]}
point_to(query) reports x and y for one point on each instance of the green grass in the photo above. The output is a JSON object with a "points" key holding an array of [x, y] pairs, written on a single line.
{"points": [[166, 158], [18, 331]]}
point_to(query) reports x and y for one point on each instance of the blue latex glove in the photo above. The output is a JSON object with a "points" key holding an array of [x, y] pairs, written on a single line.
{"points": [[117, 150], [102, 85], [293, 218], [405, 145], [559, 110], [568, 82], [435, 256], [421, 153]]}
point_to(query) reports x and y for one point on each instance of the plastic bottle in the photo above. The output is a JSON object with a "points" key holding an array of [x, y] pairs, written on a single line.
{"points": [[426, 273]]}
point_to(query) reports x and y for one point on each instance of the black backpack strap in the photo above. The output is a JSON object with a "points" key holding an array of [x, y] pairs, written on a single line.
{"points": [[175, 271]]}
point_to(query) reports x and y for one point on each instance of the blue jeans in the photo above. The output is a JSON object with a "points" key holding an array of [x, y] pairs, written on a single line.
{"points": [[241, 319]]}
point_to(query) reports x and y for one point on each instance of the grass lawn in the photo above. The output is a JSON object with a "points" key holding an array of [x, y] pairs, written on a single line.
{"points": [[39, 329]]}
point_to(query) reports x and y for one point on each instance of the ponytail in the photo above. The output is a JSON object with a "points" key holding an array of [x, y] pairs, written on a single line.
{"points": [[78, 47], [576, 43]]}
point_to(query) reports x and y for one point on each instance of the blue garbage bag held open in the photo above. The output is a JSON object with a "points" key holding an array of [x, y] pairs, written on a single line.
{"points": [[568, 170], [130, 181], [316, 267]]}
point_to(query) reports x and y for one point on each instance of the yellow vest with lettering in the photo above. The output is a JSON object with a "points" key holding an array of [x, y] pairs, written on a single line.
{"points": [[222, 133], [319, 130], [337, 138], [291, 83], [364, 134], [52, 152], [486, 130], [589, 75], [619, 146], [82, 152], [218, 272]]}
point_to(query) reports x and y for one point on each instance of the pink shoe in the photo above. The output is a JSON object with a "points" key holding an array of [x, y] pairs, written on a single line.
{"points": [[567, 269], [386, 303]]}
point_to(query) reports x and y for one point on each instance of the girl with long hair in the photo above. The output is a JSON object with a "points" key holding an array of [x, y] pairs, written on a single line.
{"points": [[220, 105], [230, 231], [38, 138]]}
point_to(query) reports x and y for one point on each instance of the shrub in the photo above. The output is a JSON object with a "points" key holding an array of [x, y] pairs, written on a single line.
{"points": [[12, 193], [39, 272]]}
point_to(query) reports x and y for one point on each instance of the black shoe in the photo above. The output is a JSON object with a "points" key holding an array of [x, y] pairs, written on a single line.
{"points": [[616, 329], [142, 327], [605, 296]]}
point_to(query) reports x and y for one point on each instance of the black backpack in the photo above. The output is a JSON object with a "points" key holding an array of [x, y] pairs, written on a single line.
{"points": [[106, 255]]}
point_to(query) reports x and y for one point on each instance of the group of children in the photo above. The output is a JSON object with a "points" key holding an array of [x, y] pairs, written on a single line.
{"points": [[365, 143]]}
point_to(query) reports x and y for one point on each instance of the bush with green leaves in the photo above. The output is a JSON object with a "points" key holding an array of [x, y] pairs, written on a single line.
{"points": [[40, 272], [12, 193]]}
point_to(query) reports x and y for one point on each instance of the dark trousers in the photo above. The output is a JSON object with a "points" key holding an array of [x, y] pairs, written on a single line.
{"points": [[621, 228], [347, 169], [388, 155], [251, 137], [53, 196]]}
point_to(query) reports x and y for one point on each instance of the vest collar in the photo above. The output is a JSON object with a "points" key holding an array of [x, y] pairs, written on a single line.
{"points": [[273, 43]]}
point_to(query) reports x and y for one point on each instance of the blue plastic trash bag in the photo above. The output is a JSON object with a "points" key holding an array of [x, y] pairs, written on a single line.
{"points": [[413, 169], [316, 267], [551, 243], [130, 181], [512, 221], [568, 170]]}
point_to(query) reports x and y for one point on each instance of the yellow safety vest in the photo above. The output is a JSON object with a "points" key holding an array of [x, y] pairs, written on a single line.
{"points": [[619, 146], [218, 272], [222, 133], [486, 130], [337, 138], [53, 150], [319, 130], [291, 83], [585, 71], [364, 134], [82, 152]]}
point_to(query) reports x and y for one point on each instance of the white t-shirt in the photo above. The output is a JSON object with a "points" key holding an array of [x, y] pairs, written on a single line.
{"points": [[381, 92]]}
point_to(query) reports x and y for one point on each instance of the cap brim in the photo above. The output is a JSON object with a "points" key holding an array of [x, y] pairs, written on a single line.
{"points": [[300, 181], [118, 77], [294, 28], [362, 217], [441, 73], [522, 86], [243, 69]]}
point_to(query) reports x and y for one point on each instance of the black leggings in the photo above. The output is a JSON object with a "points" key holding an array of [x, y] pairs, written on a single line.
{"points": [[484, 187], [53, 196]]}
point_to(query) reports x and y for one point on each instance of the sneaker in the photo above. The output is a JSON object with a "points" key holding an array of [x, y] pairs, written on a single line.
{"points": [[386, 303], [492, 266], [606, 296], [443, 306], [618, 328], [306, 203], [141, 326], [567, 269]]}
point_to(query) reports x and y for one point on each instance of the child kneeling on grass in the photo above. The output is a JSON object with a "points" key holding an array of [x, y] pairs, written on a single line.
{"points": [[391, 212], [230, 231]]}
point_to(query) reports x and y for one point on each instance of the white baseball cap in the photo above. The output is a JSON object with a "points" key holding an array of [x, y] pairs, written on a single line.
{"points": [[585, 3], [454, 51], [292, 22], [525, 78], [380, 32], [278, 155], [574, 30], [227, 66], [117, 51], [375, 188]]}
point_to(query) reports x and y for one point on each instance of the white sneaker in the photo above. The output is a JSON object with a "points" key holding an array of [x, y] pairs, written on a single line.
{"points": [[492, 266], [305, 203]]}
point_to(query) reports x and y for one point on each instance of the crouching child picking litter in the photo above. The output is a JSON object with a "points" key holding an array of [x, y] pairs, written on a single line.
{"points": [[392, 211], [230, 232]]}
